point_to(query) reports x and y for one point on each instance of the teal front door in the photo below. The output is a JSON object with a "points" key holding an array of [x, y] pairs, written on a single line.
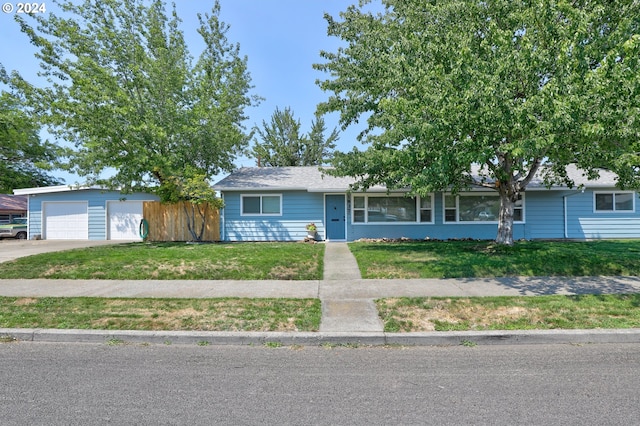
{"points": [[335, 217]]}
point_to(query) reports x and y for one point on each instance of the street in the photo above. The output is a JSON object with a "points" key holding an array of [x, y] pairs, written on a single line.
{"points": [[85, 384]]}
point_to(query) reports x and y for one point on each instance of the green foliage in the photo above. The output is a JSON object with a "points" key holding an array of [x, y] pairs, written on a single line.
{"points": [[282, 144], [125, 89], [193, 187], [503, 85], [24, 158], [219, 314], [168, 261], [463, 259]]}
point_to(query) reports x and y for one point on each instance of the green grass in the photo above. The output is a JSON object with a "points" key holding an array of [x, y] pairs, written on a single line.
{"points": [[509, 313], [167, 261], [222, 314], [460, 259]]}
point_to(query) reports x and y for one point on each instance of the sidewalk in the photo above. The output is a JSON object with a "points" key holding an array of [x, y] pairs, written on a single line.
{"points": [[348, 312]]}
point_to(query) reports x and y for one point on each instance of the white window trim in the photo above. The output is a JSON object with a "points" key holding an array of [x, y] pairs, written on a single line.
{"points": [[243, 196], [476, 222], [633, 201], [384, 195]]}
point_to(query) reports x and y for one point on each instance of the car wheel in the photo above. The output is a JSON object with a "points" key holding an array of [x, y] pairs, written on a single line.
{"points": [[21, 236]]}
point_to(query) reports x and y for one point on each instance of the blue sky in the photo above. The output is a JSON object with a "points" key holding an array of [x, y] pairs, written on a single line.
{"points": [[281, 38]]}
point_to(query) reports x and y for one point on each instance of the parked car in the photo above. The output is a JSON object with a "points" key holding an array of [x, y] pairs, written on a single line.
{"points": [[17, 228], [486, 215]]}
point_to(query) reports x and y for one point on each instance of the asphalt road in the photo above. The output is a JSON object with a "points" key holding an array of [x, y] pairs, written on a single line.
{"points": [[90, 384]]}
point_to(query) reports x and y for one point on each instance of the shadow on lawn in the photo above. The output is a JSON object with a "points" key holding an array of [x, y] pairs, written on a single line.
{"points": [[563, 285]]}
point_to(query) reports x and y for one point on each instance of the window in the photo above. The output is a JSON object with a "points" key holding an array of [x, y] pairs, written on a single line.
{"points": [[392, 209], [261, 205], [476, 207], [426, 208], [614, 201]]}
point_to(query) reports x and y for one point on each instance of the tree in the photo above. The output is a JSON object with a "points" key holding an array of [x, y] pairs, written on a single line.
{"points": [[511, 87], [282, 144], [123, 87], [193, 187], [24, 158]]}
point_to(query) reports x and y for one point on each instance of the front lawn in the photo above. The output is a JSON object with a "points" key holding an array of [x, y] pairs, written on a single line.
{"points": [[224, 314], [509, 313], [168, 261], [461, 259]]}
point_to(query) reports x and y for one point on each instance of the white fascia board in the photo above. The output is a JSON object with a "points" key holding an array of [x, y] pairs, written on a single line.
{"points": [[257, 189], [51, 189]]}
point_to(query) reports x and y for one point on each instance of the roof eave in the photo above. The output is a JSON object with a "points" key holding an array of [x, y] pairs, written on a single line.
{"points": [[52, 189]]}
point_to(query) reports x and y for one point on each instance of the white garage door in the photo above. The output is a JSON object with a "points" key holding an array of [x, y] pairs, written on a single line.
{"points": [[124, 220], [66, 221]]}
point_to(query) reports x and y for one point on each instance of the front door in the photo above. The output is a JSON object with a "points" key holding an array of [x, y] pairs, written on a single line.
{"points": [[335, 216]]}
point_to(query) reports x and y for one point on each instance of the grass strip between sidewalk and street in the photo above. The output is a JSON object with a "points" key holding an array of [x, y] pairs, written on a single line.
{"points": [[220, 314], [474, 259], [509, 313]]}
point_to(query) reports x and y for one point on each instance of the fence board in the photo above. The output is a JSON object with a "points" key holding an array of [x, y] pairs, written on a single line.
{"points": [[168, 222]]}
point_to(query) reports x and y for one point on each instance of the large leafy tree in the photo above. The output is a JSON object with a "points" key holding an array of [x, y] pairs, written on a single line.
{"points": [[506, 87], [280, 143], [25, 160], [124, 88]]}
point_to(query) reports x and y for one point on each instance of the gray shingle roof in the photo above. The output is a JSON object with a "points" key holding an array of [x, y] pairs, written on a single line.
{"points": [[312, 179], [278, 178]]}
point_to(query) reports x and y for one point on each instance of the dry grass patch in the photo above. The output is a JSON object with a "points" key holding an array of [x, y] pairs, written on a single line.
{"points": [[388, 272], [24, 301], [224, 314], [510, 313], [462, 313]]}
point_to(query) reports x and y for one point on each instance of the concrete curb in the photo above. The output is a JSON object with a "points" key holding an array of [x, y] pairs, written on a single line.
{"points": [[471, 338]]}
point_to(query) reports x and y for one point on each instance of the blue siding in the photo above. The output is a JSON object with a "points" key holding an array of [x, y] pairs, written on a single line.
{"points": [[544, 218], [544, 215], [298, 209], [97, 208], [583, 222]]}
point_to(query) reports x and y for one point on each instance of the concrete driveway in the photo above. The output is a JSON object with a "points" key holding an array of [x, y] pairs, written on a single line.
{"points": [[12, 249]]}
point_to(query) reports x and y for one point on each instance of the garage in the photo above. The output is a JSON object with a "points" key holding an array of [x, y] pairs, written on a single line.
{"points": [[124, 220], [66, 212], [65, 220]]}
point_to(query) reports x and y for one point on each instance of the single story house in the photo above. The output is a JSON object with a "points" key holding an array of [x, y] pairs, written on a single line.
{"points": [[276, 204], [83, 213], [12, 206]]}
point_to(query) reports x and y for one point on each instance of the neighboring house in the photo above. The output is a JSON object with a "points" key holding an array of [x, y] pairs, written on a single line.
{"points": [[12, 206], [83, 213], [275, 204]]}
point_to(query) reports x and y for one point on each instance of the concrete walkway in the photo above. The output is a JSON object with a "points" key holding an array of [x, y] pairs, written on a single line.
{"points": [[352, 313], [348, 311]]}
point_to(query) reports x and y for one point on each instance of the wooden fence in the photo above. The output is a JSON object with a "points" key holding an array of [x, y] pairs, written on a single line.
{"points": [[168, 222]]}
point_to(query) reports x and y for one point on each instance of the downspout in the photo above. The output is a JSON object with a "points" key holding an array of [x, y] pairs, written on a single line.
{"points": [[564, 202], [222, 224]]}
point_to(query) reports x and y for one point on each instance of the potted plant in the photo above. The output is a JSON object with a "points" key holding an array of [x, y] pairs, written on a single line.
{"points": [[312, 230]]}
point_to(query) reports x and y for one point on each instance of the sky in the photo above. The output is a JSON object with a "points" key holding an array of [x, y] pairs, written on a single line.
{"points": [[282, 39]]}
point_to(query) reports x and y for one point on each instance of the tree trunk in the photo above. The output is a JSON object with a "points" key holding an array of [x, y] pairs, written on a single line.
{"points": [[191, 220], [505, 218]]}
